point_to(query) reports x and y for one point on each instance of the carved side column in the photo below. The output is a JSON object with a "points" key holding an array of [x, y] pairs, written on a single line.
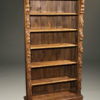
{"points": [[80, 41], [27, 48]]}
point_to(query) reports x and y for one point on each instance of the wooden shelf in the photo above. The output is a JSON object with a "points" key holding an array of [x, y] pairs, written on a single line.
{"points": [[52, 80], [51, 63], [46, 46], [56, 96], [53, 30], [52, 14]]}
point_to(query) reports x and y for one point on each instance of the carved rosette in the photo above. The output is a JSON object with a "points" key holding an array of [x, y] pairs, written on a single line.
{"points": [[28, 53], [80, 40]]}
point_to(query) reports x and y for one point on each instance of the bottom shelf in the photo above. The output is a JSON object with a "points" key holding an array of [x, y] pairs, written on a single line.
{"points": [[58, 96]]}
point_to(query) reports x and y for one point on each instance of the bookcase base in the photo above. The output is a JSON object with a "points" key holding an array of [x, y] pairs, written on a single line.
{"points": [[71, 98]]}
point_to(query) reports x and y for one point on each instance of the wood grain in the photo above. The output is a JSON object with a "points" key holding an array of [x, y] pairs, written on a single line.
{"points": [[54, 71], [46, 46], [53, 88], [61, 22], [53, 54], [53, 30], [56, 37], [49, 5]]}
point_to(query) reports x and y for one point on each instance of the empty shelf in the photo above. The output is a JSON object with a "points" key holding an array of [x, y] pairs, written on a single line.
{"points": [[51, 14], [51, 63], [52, 80], [60, 45], [52, 30], [57, 96]]}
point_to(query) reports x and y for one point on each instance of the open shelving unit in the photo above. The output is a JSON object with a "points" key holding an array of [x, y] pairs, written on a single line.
{"points": [[53, 48]]}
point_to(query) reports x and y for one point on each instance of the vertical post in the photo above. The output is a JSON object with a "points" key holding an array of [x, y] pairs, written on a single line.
{"points": [[27, 49], [80, 41]]}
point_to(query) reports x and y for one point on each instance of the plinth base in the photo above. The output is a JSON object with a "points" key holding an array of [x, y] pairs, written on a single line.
{"points": [[57, 96]]}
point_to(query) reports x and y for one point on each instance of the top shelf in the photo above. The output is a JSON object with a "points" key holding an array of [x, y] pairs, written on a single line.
{"points": [[53, 14]]}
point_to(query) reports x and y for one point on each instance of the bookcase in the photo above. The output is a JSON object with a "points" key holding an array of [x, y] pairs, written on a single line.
{"points": [[53, 49]]}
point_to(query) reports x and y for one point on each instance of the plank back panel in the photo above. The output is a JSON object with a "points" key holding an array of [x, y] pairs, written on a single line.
{"points": [[54, 6], [53, 37], [54, 88], [54, 54], [52, 22], [54, 71]]}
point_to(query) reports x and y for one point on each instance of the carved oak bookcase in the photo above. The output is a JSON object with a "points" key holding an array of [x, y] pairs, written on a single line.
{"points": [[53, 47]]}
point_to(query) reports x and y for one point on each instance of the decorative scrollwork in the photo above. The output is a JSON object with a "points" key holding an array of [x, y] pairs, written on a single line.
{"points": [[28, 53], [80, 40], [82, 6]]}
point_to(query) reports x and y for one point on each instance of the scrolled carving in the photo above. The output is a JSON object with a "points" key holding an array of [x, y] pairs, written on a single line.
{"points": [[82, 6], [28, 53], [80, 41], [27, 7], [81, 24]]}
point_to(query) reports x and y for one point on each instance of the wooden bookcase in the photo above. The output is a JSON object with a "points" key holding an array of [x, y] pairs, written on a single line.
{"points": [[53, 47]]}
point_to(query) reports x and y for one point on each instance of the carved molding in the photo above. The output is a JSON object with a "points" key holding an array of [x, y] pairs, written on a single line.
{"points": [[80, 40], [28, 53], [81, 24], [82, 6]]}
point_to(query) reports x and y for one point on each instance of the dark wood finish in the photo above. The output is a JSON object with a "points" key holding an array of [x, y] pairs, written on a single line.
{"points": [[47, 23], [45, 38], [54, 88], [54, 71], [53, 47]]}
